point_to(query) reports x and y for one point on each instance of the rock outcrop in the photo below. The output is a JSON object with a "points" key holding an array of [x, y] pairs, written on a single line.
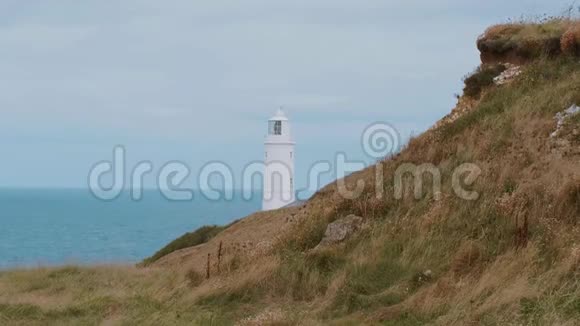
{"points": [[564, 139], [511, 72], [340, 230], [562, 117]]}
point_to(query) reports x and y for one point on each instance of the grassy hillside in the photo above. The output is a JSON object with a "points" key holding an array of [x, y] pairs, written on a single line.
{"points": [[510, 257]]}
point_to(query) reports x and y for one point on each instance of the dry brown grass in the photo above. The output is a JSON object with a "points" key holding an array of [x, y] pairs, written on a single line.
{"points": [[467, 256]]}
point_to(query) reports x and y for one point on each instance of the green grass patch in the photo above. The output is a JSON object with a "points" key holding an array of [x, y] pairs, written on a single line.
{"points": [[232, 298], [305, 235], [494, 103], [530, 309], [306, 276], [510, 185], [65, 272], [190, 239], [350, 302], [544, 88], [373, 278], [10, 312], [366, 284], [407, 319]]}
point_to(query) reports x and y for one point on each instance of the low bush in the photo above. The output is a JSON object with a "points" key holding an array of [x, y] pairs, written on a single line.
{"points": [[190, 239], [481, 78], [570, 42]]}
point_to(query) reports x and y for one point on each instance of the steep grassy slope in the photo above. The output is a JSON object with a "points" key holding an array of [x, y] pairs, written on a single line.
{"points": [[511, 256]]}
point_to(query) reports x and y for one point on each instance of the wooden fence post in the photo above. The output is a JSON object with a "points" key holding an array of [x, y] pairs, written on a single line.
{"points": [[208, 263], [219, 257]]}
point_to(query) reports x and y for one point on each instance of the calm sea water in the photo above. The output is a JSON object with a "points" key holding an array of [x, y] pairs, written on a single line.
{"points": [[50, 227]]}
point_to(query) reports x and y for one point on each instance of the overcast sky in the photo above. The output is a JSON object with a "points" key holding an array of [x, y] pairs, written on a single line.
{"points": [[197, 80]]}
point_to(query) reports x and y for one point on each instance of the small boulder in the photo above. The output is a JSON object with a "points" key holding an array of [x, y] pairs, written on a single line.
{"points": [[341, 229]]}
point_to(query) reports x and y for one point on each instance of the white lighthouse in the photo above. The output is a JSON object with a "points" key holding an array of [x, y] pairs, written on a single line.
{"points": [[279, 164]]}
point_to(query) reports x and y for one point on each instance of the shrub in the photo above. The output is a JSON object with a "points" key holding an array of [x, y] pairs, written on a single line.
{"points": [[570, 42], [481, 78], [190, 239]]}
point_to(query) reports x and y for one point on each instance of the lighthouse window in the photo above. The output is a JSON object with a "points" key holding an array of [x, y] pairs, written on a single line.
{"points": [[275, 128]]}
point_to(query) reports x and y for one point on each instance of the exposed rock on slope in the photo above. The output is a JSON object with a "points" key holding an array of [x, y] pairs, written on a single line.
{"points": [[511, 72], [340, 230], [565, 140], [562, 117]]}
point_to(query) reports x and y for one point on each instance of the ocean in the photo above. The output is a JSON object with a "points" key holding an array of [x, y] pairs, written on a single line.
{"points": [[45, 227]]}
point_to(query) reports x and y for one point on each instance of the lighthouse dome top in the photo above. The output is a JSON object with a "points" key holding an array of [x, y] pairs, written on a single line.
{"points": [[279, 116]]}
